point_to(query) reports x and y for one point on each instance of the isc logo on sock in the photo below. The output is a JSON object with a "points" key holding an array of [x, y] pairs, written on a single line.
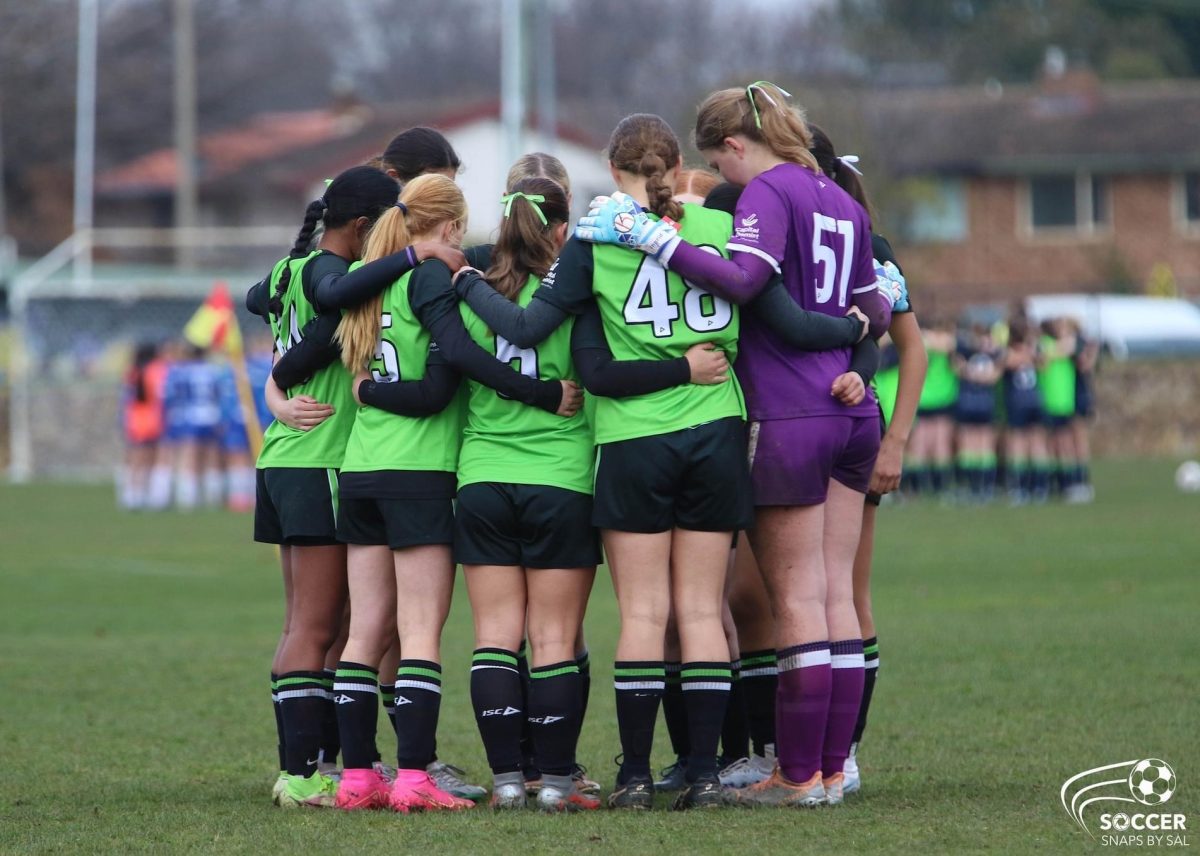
{"points": [[402, 700], [545, 720], [342, 699], [500, 711]]}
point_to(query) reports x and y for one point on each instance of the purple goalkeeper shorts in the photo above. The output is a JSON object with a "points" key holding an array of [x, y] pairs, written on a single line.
{"points": [[792, 460]]}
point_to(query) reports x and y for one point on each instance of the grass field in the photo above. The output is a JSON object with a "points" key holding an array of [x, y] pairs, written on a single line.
{"points": [[1019, 647]]}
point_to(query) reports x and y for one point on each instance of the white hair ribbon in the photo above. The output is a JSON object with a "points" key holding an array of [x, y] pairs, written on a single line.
{"points": [[849, 162]]}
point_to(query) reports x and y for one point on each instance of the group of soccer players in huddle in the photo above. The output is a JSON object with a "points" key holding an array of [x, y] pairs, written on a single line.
{"points": [[430, 412]]}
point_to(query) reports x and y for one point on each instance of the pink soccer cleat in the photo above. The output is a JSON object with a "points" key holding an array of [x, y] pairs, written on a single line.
{"points": [[414, 790], [361, 790]]}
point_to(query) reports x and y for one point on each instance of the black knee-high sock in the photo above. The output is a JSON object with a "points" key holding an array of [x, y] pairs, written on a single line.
{"points": [[554, 714], [528, 761], [705, 695], [331, 742], [759, 680], [735, 731], [418, 703], [583, 662], [302, 704], [674, 711], [279, 734], [639, 686], [870, 672], [499, 708], [355, 687]]}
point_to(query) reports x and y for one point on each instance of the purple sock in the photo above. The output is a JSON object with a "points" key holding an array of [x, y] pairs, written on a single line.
{"points": [[802, 708], [844, 701]]}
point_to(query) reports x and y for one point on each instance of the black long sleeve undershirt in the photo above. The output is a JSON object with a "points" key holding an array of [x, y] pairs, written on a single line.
{"points": [[801, 328], [347, 290], [603, 375], [425, 397], [433, 302], [315, 350], [864, 359]]}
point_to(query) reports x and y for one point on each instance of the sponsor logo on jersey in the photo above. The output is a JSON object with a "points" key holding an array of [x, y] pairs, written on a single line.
{"points": [[548, 279], [747, 230], [1149, 782]]}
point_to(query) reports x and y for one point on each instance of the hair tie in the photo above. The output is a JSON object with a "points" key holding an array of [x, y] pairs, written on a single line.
{"points": [[532, 199], [849, 162], [761, 86], [403, 208]]}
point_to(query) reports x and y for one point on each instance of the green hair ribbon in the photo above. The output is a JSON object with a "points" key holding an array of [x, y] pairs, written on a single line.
{"points": [[761, 86], [533, 199]]}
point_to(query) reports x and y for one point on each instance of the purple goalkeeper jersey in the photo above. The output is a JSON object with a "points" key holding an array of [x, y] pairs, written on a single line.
{"points": [[819, 238]]}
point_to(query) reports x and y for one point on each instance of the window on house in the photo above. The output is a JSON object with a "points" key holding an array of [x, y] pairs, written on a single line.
{"points": [[1052, 201], [937, 211], [1079, 202], [1191, 198]]}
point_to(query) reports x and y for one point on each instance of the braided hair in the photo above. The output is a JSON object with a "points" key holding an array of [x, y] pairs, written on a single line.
{"points": [[645, 145], [360, 191]]}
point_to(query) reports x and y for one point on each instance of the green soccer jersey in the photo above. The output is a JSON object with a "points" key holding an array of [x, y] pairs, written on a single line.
{"points": [[323, 446], [510, 442], [941, 383], [1056, 380], [650, 312], [887, 384], [387, 441]]}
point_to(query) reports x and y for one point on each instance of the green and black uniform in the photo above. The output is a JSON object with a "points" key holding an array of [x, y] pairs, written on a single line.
{"points": [[398, 478], [297, 497], [524, 475], [673, 457]]}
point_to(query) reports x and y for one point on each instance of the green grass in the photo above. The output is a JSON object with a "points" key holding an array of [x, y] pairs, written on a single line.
{"points": [[1019, 647]]}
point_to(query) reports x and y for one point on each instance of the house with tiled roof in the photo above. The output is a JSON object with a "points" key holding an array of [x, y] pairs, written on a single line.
{"points": [[265, 171], [1068, 185]]}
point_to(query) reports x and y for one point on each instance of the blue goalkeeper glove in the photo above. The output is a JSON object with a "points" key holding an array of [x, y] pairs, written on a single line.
{"points": [[619, 220], [892, 285]]}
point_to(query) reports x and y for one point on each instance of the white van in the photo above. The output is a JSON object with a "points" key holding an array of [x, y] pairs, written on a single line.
{"points": [[1126, 325]]}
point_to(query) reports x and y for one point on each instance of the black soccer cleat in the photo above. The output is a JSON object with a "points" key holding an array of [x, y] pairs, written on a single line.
{"points": [[636, 794], [705, 793]]}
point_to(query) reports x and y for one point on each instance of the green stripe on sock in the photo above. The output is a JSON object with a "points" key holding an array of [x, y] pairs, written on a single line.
{"points": [[640, 673], [291, 682], [507, 659], [761, 660], [554, 673], [357, 673], [871, 649], [416, 670], [707, 673]]}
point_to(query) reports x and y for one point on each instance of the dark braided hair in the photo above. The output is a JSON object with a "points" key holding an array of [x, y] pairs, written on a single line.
{"points": [[645, 145], [361, 191]]}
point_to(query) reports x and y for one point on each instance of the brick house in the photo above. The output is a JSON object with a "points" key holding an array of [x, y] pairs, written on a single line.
{"points": [[1065, 186]]}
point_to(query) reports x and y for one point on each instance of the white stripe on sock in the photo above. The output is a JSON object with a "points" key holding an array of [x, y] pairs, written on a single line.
{"points": [[847, 661]]}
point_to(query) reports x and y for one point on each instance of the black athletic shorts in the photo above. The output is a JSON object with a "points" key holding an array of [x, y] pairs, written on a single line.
{"points": [[695, 478], [528, 525], [398, 523], [296, 506]]}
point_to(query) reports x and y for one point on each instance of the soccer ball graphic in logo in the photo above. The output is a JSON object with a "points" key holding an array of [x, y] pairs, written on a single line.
{"points": [[623, 223], [1152, 782]]}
